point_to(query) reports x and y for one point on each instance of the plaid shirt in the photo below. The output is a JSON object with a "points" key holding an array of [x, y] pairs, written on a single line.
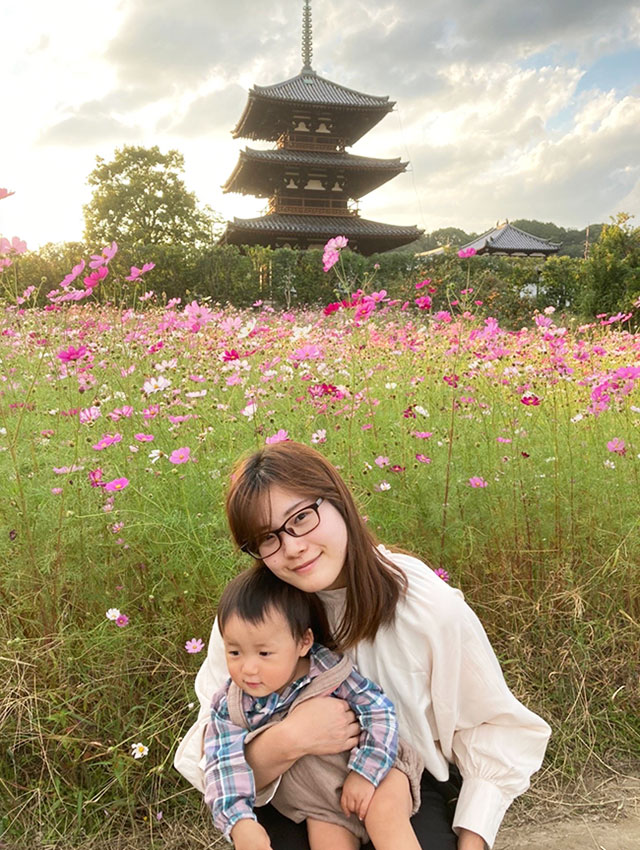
{"points": [[229, 784]]}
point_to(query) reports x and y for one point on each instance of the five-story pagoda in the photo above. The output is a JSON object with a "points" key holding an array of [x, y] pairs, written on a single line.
{"points": [[311, 182]]}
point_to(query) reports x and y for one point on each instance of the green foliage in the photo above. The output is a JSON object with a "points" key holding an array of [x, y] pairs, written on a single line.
{"points": [[613, 271], [140, 199], [561, 283]]}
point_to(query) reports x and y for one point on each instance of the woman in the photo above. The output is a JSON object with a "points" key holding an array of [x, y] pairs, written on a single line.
{"points": [[403, 628]]}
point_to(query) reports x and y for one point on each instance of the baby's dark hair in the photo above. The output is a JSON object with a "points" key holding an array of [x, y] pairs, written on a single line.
{"points": [[253, 594]]}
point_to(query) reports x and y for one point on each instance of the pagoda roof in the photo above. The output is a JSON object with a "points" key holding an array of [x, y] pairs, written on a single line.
{"points": [[507, 239], [310, 87], [308, 90], [369, 236], [256, 170]]}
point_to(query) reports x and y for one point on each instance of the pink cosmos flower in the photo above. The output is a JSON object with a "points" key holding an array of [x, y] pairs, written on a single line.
{"points": [[423, 458], [5, 193], [423, 283], [108, 253], [122, 620], [107, 440], [617, 446], [443, 574], [143, 438], [116, 484], [56, 491], [381, 461], [73, 274], [89, 414], [182, 455], [466, 252], [136, 273], [71, 353], [422, 435], [16, 246], [476, 481], [95, 477], [194, 645], [503, 439], [319, 436], [310, 351], [280, 437]]}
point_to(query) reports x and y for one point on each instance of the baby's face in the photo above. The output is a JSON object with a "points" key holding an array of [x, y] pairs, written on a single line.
{"points": [[263, 658]]}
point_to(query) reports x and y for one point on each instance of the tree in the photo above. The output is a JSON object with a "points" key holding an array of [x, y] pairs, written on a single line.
{"points": [[613, 268], [140, 199]]}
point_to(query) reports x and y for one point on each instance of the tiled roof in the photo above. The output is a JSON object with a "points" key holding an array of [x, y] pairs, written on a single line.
{"points": [[308, 87], [331, 159], [507, 239], [322, 226]]}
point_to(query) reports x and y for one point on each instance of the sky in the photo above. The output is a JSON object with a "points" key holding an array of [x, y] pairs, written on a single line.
{"points": [[505, 109]]}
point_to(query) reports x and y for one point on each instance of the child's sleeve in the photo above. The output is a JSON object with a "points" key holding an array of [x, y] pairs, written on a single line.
{"points": [[229, 785], [377, 748]]}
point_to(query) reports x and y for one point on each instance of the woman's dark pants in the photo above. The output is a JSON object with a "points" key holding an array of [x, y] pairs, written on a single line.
{"points": [[431, 823]]}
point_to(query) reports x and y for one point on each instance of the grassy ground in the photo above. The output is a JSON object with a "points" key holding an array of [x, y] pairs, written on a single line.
{"points": [[510, 459]]}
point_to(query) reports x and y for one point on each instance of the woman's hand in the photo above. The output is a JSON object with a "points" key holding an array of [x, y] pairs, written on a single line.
{"points": [[322, 726], [468, 840]]}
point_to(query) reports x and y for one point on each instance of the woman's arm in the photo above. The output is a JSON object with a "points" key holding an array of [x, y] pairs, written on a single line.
{"points": [[317, 726]]}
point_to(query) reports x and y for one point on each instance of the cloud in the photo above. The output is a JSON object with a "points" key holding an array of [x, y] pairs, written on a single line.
{"points": [[215, 113], [92, 123]]}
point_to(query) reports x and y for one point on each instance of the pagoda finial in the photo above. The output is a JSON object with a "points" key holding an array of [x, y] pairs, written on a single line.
{"points": [[307, 46]]}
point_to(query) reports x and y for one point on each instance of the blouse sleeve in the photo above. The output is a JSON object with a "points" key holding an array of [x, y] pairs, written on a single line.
{"points": [[496, 741], [190, 758]]}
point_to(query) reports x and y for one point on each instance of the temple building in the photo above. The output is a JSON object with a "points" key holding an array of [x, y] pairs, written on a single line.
{"points": [[506, 240], [312, 184]]}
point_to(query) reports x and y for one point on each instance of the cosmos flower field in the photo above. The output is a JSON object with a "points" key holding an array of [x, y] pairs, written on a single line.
{"points": [[509, 460]]}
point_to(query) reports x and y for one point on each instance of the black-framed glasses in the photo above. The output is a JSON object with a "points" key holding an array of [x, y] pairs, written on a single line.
{"points": [[303, 521]]}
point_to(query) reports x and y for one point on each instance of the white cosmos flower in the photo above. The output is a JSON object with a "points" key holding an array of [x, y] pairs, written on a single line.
{"points": [[139, 750], [156, 384], [112, 614], [155, 455]]}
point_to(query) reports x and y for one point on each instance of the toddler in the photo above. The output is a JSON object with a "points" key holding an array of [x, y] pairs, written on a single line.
{"points": [[269, 630]]}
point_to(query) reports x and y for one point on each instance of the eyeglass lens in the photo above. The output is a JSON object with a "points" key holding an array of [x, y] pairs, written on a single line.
{"points": [[297, 526]]}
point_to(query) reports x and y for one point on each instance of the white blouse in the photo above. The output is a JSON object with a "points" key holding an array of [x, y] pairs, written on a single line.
{"points": [[436, 664]]}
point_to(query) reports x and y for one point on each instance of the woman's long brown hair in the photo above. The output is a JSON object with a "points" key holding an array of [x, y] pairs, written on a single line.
{"points": [[373, 583]]}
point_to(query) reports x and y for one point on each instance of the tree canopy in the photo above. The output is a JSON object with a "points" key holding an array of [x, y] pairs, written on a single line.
{"points": [[139, 198]]}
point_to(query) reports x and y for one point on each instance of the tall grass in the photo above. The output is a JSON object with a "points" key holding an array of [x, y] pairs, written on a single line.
{"points": [[547, 552]]}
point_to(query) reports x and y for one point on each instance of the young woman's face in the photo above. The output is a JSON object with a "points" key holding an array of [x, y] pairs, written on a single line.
{"points": [[313, 562]]}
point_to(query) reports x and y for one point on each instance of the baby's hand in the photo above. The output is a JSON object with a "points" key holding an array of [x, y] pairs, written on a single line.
{"points": [[248, 834], [356, 795]]}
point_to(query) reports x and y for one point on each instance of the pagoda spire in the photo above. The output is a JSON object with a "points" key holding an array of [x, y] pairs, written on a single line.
{"points": [[307, 45]]}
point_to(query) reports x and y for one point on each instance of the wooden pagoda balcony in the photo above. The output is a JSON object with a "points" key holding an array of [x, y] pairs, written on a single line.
{"points": [[315, 143], [305, 205]]}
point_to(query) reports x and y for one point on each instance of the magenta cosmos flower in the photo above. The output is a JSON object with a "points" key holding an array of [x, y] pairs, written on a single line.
{"points": [[122, 620], [71, 353], [443, 574], [477, 481]]}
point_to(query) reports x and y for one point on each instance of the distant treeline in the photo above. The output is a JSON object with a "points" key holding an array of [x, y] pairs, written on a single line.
{"points": [[510, 288], [573, 243]]}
